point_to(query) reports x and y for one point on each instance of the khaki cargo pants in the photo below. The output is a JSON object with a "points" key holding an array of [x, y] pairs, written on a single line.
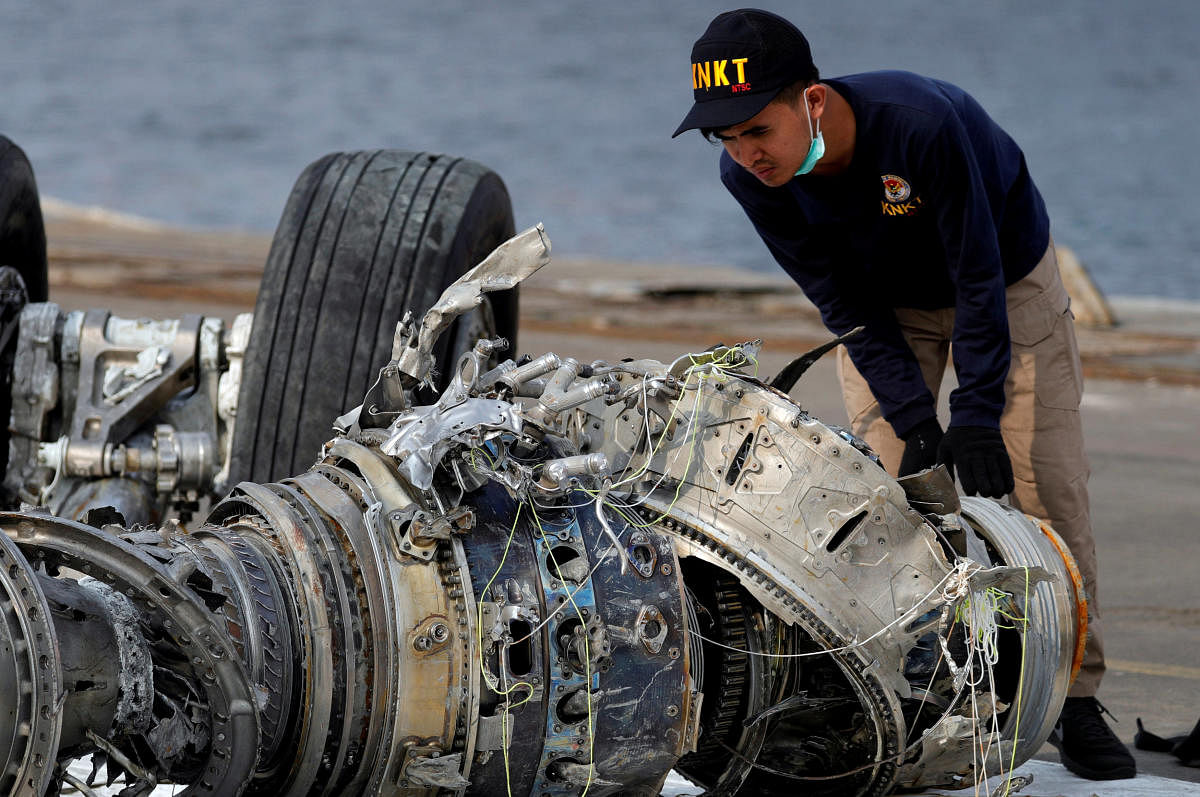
{"points": [[1041, 423]]}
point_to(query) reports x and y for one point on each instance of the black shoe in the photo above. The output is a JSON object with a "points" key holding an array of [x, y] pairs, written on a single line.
{"points": [[1087, 746]]}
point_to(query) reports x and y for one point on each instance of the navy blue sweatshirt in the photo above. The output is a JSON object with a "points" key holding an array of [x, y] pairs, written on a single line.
{"points": [[937, 209]]}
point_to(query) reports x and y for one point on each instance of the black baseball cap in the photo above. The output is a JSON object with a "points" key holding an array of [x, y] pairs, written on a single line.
{"points": [[742, 61]]}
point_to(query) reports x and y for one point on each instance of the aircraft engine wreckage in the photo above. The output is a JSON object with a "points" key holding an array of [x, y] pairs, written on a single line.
{"points": [[536, 577], [555, 578]]}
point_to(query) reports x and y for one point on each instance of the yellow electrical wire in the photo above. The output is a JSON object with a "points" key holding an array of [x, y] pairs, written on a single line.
{"points": [[717, 368], [693, 434], [503, 693], [663, 435], [691, 449], [1024, 621], [479, 450]]}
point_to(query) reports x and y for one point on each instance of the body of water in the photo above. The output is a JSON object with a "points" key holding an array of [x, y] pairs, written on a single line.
{"points": [[204, 113]]}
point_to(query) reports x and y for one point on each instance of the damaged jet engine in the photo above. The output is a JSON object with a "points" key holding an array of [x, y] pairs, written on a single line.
{"points": [[535, 577]]}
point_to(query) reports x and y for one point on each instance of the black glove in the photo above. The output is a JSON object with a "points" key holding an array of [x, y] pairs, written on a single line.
{"points": [[978, 454], [921, 447]]}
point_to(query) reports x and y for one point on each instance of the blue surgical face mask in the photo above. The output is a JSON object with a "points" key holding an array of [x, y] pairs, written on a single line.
{"points": [[816, 150]]}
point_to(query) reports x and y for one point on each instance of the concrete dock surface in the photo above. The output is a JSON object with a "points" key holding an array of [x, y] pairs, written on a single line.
{"points": [[1140, 410]]}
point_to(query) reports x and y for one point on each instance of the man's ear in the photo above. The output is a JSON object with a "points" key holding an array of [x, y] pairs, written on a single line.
{"points": [[816, 96]]}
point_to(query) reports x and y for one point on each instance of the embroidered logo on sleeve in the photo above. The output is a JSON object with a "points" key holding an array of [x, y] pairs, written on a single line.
{"points": [[896, 197]]}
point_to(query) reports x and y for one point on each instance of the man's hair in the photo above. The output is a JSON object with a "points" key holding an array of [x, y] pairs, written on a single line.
{"points": [[791, 94]]}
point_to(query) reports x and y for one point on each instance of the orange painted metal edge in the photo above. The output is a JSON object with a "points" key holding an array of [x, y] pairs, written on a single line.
{"points": [[1081, 601]]}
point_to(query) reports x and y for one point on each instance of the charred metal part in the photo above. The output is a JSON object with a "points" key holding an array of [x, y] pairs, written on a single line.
{"points": [[203, 702], [106, 662], [932, 491], [552, 578], [786, 379]]}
